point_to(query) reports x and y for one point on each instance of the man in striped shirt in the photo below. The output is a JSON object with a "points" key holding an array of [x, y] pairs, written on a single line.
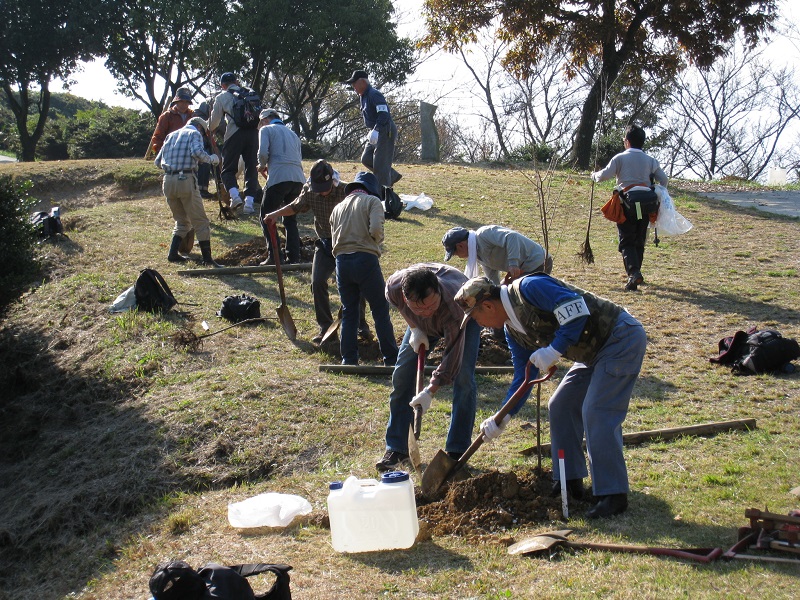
{"points": [[179, 157]]}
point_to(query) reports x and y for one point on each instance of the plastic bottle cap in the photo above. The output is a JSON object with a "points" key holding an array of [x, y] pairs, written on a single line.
{"points": [[335, 485], [394, 477]]}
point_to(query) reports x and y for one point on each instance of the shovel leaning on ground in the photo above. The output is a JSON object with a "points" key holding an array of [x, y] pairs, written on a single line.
{"points": [[283, 311], [415, 426], [442, 467], [333, 328], [544, 542]]}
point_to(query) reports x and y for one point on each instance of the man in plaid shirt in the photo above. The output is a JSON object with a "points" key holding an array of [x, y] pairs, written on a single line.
{"points": [[320, 194], [178, 158]]}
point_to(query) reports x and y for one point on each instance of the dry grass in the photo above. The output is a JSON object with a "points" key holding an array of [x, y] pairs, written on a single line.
{"points": [[119, 450]]}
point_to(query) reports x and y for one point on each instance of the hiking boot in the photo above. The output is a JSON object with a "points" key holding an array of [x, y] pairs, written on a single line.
{"points": [[205, 194], [455, 455], [574, 488], [391, 461], [631, 286], [608, 506]]}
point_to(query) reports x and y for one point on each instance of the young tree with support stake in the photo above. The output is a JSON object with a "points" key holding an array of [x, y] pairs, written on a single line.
{"points": [[662, 34]]}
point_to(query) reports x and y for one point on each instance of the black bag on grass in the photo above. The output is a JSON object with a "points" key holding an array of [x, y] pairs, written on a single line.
{"points": [[392, 204], [756, 351], [239, 308], [152, 292], [176, 580], [48, 224]]}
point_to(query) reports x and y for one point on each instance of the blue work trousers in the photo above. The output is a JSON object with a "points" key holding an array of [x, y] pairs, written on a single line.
{"points": [[465, 394], [359, 274], [594, 399]]}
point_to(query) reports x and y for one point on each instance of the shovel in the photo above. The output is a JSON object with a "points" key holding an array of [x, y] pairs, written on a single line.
{"points": [[283, 311], [545, 541], [415, 427], [333, 328], [442, 467]]}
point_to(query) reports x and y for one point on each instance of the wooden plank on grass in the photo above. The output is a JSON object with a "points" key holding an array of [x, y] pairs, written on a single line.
{"points": [[245, 270], [667, 434], [381, 370]]}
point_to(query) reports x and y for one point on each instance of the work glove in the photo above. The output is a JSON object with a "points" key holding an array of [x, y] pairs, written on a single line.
{"points": [[372, 138], [596, 176], [544, 358], [423, 400], [417, 339], [491, 430], [214, 160]]}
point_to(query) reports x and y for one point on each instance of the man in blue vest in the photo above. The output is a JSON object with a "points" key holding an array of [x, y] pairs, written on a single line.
{"points": [[379, 147]]}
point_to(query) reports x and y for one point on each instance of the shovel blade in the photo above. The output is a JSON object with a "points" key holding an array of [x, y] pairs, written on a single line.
{"points": [[287, 322], [539, 543], [333, 328], [436, 474]]}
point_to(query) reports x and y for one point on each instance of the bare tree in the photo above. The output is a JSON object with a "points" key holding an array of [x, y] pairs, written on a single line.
{"points": [[729, 119]]}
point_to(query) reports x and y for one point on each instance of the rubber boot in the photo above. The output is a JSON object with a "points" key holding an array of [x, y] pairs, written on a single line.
{"points": [[205, 249], [173, 255]]}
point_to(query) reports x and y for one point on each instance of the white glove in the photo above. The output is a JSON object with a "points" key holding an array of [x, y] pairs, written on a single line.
{"points": [[596, 176], [423, 400], [417, 339], [491, 430], [214, 160], [372, 138], [544, 358]]}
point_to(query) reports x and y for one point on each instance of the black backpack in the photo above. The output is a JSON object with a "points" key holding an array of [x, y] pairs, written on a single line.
{"points": [[176, 580], [246, 108], [756, 351], [48, 224], [239, 308], [392, 205], [152, 292]]}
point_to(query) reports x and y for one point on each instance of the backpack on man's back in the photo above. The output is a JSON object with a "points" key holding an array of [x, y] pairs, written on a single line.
{"points": [[246, 108]]}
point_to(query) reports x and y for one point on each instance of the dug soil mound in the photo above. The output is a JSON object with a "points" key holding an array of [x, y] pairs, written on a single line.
{"points": [[491, 503]]}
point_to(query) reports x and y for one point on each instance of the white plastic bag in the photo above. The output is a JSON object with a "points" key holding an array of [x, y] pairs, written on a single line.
{"points": [[669, 220], [125, 301], [267, 510], [421, 201]]}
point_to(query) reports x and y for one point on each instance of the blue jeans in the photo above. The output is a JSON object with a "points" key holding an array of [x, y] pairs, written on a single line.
{"points": [[359, 274], [595, 399], [465, 394]]}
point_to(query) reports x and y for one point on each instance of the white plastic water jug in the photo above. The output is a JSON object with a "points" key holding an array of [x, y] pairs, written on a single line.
{"points": [[368, 515]]}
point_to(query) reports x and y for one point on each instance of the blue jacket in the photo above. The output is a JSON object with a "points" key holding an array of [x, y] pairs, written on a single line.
{"points": [[375, 110]]}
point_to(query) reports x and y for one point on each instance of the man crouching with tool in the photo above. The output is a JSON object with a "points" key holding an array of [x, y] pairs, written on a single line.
{"points": [[545, 318]]}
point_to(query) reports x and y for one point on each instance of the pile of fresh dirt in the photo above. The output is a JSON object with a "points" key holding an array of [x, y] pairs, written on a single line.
{"points": [[254, 251], [491, 503]]}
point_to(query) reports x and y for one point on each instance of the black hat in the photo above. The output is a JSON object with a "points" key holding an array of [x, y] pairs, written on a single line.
{"points": [[176, 580], [451, 238], [356, 76], [227, 78], [181, 94], [321, 176], [364, 180]]}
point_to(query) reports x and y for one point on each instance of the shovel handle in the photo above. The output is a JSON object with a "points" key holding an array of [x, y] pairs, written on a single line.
{"points": [[501, 414], [420, 385], [273, 236]]}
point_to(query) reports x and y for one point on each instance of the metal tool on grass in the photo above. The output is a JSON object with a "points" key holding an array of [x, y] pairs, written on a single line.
{"points": [[415, 426], [545, 542], [283, 311], [223, 197], [333, 328], [443, 467]]}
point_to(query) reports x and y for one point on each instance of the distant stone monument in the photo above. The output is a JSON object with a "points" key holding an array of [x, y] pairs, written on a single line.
{"points": [[429, 151]]}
